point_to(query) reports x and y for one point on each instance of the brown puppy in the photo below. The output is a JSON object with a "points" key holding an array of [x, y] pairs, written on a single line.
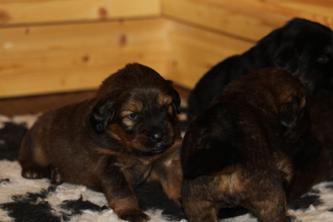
{"points": [[119, 139], [242, 151]]}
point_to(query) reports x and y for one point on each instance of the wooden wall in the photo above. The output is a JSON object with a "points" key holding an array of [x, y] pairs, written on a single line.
{"points": [[51, 46]]}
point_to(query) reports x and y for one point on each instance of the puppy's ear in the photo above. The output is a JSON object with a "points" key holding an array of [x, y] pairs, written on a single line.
{"points": [[175, 97], [102, 114], [286, 58]]}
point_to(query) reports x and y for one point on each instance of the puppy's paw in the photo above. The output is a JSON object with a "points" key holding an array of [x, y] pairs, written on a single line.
{"points": [[34, 173], [135, 216], [55, 177]]}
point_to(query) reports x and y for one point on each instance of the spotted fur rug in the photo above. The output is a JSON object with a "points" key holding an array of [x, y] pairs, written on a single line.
{"points": [[25, 200]]}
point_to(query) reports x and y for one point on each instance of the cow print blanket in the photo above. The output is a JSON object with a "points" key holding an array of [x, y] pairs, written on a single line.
{"points": [[25, 200]]}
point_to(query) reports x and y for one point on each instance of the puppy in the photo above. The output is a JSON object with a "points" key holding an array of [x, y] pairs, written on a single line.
{"points": [[243, 150], [301, 47], [119, 139]]}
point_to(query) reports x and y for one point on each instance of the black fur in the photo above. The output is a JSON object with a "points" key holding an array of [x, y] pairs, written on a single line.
{"points": [[302, 47], [102, 114], [10, 138], [305, 202], [208, 159]]}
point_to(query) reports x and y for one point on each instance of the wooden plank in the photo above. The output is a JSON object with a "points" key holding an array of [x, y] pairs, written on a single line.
{"points": [[45, 11], [248, 19], [195, 51], [45, 59]]}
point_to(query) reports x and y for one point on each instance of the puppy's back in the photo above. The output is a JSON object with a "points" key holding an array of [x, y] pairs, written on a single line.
{"points": [[56, 139]]}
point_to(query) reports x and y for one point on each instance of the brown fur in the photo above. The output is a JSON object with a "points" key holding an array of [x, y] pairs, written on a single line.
{"points": [[113, 142], [242, 151]]}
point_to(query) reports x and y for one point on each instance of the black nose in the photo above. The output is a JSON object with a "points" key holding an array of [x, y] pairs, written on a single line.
{"points": [[156, 137]]}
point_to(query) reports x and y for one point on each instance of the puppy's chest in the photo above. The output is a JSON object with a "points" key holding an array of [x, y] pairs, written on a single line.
{"points": [[135, 171]]}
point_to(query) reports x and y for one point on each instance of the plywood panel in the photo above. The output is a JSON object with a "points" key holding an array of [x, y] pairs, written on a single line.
{"points": [[45, 11], [57, 58], [46, 59], [248, 19], [195, 51]]}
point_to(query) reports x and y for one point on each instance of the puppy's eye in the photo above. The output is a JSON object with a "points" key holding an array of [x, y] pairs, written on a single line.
{"points": [[134, 116], [323, 59]]}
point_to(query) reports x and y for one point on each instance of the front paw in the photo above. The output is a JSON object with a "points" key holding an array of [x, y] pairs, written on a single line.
{"points": [[34, 172], [55, 177], [135, 216]]}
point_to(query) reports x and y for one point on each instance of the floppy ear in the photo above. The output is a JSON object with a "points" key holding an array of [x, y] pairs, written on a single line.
{"points": [[103, 113], [286, 58], [175, 97]]}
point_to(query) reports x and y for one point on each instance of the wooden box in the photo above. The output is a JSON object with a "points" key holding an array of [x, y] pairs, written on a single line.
{"points": [[49, 46]]}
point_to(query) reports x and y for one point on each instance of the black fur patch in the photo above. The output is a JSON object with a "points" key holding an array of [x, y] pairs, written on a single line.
{"points": [[10, 138], [151, 196], [305, 201], [77, 206], [31, 207], [29, 212], [4, 181], [207, 161]]}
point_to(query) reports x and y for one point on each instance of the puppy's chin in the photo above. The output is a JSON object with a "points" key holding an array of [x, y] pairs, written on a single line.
{"points": [[151, 150]]}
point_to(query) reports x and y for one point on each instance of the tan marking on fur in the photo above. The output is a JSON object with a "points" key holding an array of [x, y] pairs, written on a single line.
{"points": [[231, 183], [121, 206], [273, 206], [133, 105], [119, 133], [128, 122], [125, 113], [105, 151], [128, 108], [164, 99], [171, 181], [114, 132], [39, 156], [284, 165]]}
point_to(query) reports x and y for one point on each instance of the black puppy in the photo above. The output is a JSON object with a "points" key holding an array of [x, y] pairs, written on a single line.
{"points": [[303, 48]]}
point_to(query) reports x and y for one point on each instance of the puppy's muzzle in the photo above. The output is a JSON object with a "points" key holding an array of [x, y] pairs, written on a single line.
{"points": [[159, 140]]}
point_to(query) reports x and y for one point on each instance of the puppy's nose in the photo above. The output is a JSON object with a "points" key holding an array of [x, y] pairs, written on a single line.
{"points": [[156, 137]]}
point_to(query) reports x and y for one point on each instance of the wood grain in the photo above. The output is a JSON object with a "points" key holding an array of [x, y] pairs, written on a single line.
{"points": [[44, 49], [45, 59], [247, 19], [195, 51], [48, 11], [57, 58]]}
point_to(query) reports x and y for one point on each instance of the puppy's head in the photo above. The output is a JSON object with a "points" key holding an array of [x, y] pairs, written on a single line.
{"points": [[137, 108], [277, 93], [286, 96], [305, 49]]}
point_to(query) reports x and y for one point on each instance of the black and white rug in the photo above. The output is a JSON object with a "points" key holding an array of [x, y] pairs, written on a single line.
{"points": [[25, 200]]}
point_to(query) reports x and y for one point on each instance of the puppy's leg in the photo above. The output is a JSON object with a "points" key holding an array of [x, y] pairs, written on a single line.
{"points": [[32, 159], [168, 174], [196, 202], [55, 176], [270, 204], [118, 191]]}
